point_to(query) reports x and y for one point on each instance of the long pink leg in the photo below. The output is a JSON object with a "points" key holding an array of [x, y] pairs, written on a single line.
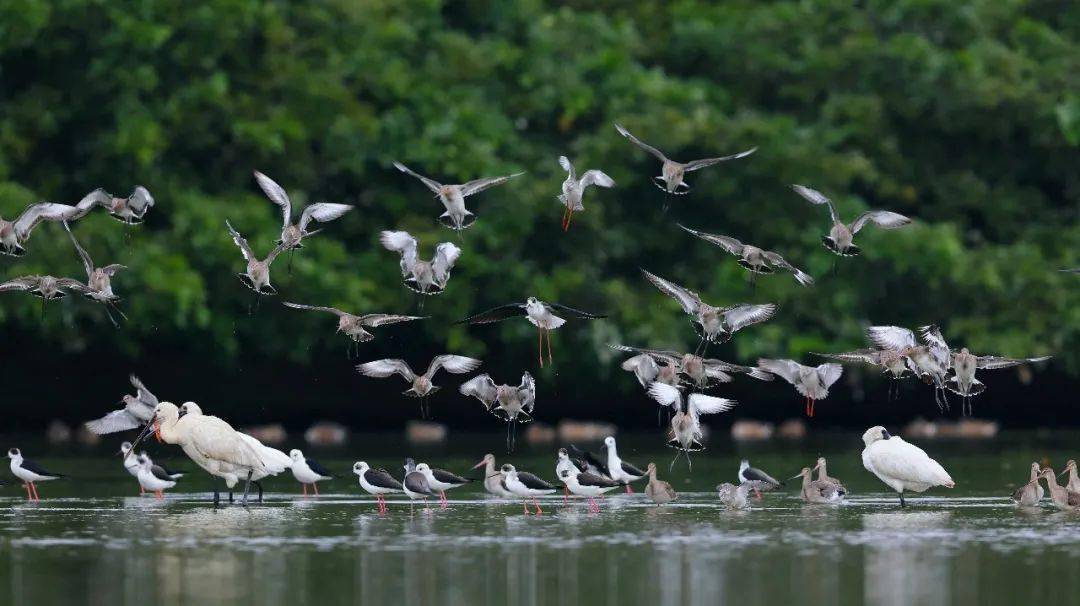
{"points": [[628, 489], [305, 489], [565, 494], [33, 487], [525, 506], [538, 510], [592, 505], [141, 490], [315, 487], [26, 485], [540, 339], [550, 359]]}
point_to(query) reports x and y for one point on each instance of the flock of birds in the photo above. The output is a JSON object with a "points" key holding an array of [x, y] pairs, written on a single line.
{"points": [[676, 381]]}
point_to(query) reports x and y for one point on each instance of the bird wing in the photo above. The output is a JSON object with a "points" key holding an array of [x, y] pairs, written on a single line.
{"points": [[563, 310], [34, 467], [317, 467], [273, 459], [478, 185], [741, 316], [402, 243], [143, 394], [333, 310], [382, 479], [727, 243], [140, 200], [448, 478], [696, 164], [829, 373], [273, 254], [591, 479], [88, 263], [245, 248], [787, 370], [277, 195], [72, 284], [568, 166], [700, 404], [816, 197], [42, 211], [638, 142], [714, 365], [596, 177], [995, 362], [866, 356], [688, 299], [98, 197], [431, 184], [800, 276], [894, 338], [159, 472], [415, 482], [643, 366], [480, 387], [23, 283], [375, 320], [527, 392], [666, 395], [453, 364], [658, 354], [117, 420], [385, 368], [446, 254], [882, 218], [938, 347], [111, 269], [533, 481], [217, 440], [495, 314], [322, 212]]}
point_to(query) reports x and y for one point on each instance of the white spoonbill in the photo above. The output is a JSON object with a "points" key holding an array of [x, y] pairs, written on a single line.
{"points": [[901, 465]]}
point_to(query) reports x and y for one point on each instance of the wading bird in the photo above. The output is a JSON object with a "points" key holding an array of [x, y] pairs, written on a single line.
{"points": [[619, 470], [421, 386], [840, 236], [308, 471], [30, 473], [754, 259], [686, 433], [585, 484], [902, 466], [98, 279], [659, 491], [456, 217], [758, 480], [1074, 479], [738, 497], [573, 188], [812, 382], [540, 314], [717, 324], [14, 234], [256, 275], [353, 326], [137, 411], [1031, 493], [816, 491], [515, 403], [1063, 498], [422, 277], [415, 484], [493, 478], [525, 485], [377, 482], [672, 173], [153, 478], [129, 210], [441, 480], [823, 476], [292, 235]]}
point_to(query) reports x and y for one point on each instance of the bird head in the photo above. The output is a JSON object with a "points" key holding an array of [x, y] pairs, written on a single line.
{"points": [[14, 453], [359, 467], [874, 434], [609, 442], [296, 455], [488, 458]]}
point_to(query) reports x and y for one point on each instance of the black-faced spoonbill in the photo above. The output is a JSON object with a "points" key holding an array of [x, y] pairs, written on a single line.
{"points": [[902, 466]]}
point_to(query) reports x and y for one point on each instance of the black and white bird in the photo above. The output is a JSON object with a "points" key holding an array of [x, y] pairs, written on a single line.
{"points": [[415, 483], [748, 474], [755, 260], [421, 386], [514, 404], [293, 234], [130, 210], [585, 484], [672, 173], [153, 478], [256, 274], [686, 432], [563, 462], [14, 234], [841, 235], [716, 324], [493, 478], [131, 463], [137, 411], [456, 217], [525, 485], [30, 473], [594, 463], [619, 470], [544, 316], [812, 382], [573, 188], [308, 471], [422, 277], [441, 480], [377, 482]]}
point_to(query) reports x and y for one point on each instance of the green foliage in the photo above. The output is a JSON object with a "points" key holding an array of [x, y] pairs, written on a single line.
{"points": [[962, 115]]}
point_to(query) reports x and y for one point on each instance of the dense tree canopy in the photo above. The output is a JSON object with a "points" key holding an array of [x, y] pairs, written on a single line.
{"points": [[964, 116]]}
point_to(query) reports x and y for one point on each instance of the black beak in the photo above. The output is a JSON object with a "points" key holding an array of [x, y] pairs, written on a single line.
{"points": [[181, 414], [142, 434], [885, 435]]}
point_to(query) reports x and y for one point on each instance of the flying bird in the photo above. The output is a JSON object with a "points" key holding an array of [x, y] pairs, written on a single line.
{"points": [[573, 188], [421, 386], [540, 314], [902, 466], [964, 365], [424, 277], [137, 411], [686, 433], [456, 217], [812, 382], [130, 210], [702, 371], [840, 236], [256, 275], [292, 234], [892, 363], [47, 288], [930, 362], [754, 259], [514, 403], [718, 324], [354, 326], [98, 279], [13, 234], [672, 173]]}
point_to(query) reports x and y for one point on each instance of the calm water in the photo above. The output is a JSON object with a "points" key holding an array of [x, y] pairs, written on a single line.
{"points": [[93, 541]]}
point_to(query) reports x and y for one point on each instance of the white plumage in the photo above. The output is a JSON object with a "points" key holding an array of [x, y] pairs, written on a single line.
{"points": [[901, 465]]}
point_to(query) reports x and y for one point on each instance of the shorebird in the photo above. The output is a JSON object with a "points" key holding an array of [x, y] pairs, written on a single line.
{"points": [[415, 484], [823, 476], [573, 188], [292, 235], [46, 288], [256, 275], [540, 314], [98, 279], [840, 236], [152, 477], [717, 324], [421, 386], [377, 482], [493, 478], [702, 371], [525, 485], [456, 217], [137, 411], [672, 173], [13, 234], [902, 466], [619, 470], [756, 479], [755, 260], [131, 464], [646, 370], [565, 463], [659, 491], [441, 480], [30, 473], [930, 362], [308, 471], [515, 403], [596, 464], [686, 433], [208, 441], [892, 363], [422, 277], [353, 326], [1074, 479], [1031, 493], [1063, 498], [812, 382], [738, 497], [964, 365], [585, 484], [129, 210], [816, 491]]}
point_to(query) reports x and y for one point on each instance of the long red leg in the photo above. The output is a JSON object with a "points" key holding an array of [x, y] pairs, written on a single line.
{"points": [[811, 408], [26, 485], [569, 217], [305, 489], [548, 331], [540, 340], [33, 487], [315, 486], [525, 506], [565, 494], [159, 494], [565, 215], [538, 510], [628, 489], [141, 490]]}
